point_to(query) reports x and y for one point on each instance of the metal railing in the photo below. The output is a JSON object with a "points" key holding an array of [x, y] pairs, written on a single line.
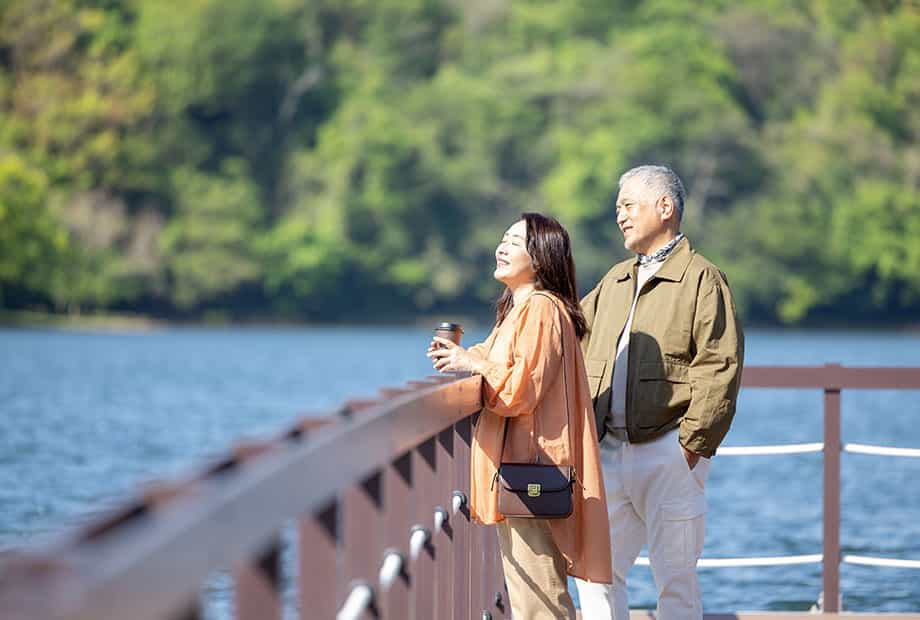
{"points": [[832, 379], [377, 492]]}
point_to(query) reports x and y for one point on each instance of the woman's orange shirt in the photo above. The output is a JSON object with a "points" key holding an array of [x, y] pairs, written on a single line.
{"points": [[524, 383]]}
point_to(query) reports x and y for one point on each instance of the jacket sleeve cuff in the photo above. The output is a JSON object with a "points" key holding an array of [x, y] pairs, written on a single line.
{"points": [[697, 443]]}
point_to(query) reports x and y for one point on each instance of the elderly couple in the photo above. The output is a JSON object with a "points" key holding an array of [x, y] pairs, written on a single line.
{"points": [[656, 351]]}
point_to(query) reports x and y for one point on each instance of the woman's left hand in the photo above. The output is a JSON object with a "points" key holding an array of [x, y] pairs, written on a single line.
{"points": [[447, 355]]}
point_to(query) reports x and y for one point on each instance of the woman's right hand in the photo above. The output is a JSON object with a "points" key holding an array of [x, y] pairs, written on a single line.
{"points": [[447, 355]]}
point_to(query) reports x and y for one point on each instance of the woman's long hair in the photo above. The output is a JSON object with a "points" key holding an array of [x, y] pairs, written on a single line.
{"points": [[551, 252]]}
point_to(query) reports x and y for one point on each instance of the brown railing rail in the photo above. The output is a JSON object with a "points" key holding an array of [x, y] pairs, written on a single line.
{"points": [[358, 486], [355, 487]]}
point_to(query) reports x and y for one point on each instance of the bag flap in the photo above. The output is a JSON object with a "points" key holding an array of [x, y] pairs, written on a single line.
{"points": [[518, 476]]}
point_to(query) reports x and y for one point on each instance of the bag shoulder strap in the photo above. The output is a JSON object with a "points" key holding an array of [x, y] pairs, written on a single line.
{"points": [[565, 388]]}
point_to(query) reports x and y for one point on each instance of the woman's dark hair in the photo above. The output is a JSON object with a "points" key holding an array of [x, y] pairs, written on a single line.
{"points": [[551, 252]]}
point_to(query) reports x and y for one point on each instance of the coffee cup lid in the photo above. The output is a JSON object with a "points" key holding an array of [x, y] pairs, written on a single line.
{"points": [[450, 327]]}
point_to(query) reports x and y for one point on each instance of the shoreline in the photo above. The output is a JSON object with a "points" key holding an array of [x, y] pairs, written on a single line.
{"points": [[115, 322], [79, 322], [126, 322]]}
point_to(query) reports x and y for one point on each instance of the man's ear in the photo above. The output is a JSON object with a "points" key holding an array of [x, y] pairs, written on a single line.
{"points": [[665, 206]]}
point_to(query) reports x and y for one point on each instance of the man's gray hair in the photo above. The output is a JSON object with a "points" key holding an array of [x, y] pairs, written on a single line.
{"points": [[658, 181]]}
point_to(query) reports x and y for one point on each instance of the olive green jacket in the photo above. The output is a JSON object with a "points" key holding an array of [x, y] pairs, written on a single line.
{"points": [[686, 349]]}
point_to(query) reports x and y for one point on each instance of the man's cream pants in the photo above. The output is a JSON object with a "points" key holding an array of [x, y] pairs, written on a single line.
{"points": [[653, 497]]}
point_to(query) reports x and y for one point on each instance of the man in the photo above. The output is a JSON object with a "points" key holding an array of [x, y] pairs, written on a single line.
{"points": [[664, 354]]}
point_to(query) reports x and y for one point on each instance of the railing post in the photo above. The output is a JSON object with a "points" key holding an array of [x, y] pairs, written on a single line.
{"points": [[258, 583], [423, 568], [318, 548], [362, 533], [445, 538], [398, 498], [832, 448], [461, 523]]}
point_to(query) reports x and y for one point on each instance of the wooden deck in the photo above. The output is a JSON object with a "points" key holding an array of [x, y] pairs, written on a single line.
{"points": [[762, 615]]}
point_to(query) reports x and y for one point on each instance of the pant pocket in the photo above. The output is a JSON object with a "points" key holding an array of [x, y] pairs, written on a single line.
{"points": [[699, 473], [680, 534]]}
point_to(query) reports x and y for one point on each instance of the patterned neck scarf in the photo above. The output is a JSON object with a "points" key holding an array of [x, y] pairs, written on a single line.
{"points": [[663, 253]]}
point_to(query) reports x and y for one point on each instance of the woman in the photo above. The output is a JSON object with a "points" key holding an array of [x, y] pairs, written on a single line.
{"points": [[535, 340]]}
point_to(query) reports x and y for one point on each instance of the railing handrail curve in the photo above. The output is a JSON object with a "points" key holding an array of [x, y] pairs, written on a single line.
{"points": [[158, 556]]}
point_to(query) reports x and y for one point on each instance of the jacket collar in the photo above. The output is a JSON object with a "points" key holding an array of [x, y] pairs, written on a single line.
{"points": [[673, 267]]}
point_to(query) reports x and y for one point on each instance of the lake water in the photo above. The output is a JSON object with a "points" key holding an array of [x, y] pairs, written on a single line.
{"points": [[85, 416]]}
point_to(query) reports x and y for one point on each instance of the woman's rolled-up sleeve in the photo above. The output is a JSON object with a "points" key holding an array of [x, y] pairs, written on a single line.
{"points": [[514, 387]]}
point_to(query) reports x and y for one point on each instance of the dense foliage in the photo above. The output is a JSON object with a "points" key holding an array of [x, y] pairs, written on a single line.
{"points": [[341, 159]]}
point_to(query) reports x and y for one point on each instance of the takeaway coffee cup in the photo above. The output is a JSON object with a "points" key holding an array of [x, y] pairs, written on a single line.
{"points": [[449, 331]]}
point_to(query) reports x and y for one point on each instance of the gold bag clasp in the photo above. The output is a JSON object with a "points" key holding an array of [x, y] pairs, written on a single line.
{"points": [[533, 490]]}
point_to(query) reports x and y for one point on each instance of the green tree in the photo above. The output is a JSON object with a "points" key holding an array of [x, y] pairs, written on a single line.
{"points": [[33, 246], [254, 158], [209, 243]]}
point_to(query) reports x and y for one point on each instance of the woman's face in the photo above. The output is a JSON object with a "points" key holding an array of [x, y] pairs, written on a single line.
{"points": [[513, 265]]}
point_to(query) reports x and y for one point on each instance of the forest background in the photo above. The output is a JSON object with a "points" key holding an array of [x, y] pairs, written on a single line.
{"points": [[343, 160]]}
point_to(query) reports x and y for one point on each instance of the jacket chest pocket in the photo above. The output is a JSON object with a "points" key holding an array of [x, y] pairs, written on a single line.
{"points": [[675, 342], [595, 370], [663, 392]]}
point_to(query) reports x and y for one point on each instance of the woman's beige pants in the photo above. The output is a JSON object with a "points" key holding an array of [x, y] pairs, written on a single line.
{"points": [[534, 571]]}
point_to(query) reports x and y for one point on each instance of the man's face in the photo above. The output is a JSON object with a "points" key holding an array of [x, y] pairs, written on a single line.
{"points": [[641, 221]]}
